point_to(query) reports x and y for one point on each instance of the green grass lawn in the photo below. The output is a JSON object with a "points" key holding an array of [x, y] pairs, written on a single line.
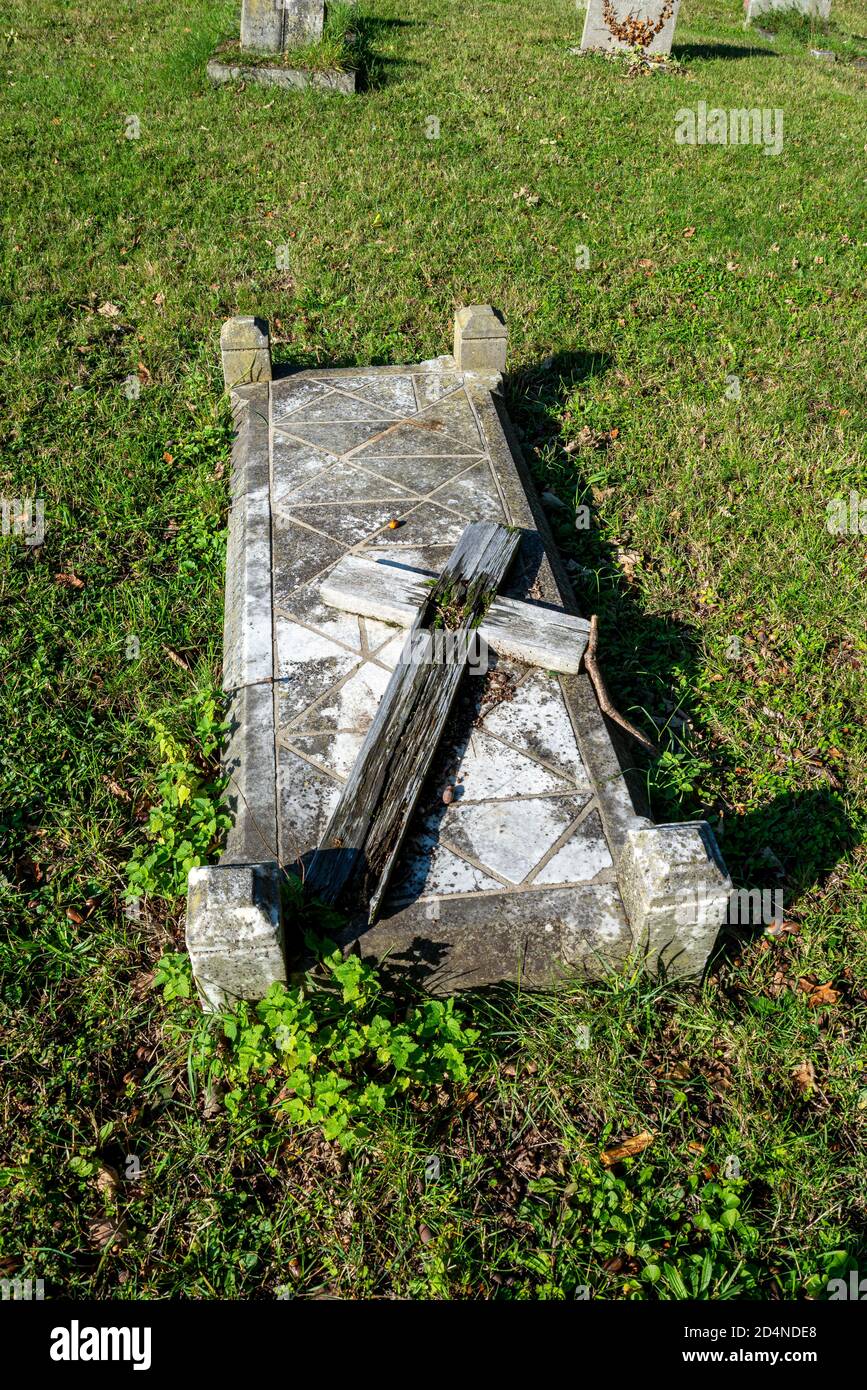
{"points": [[699, 386]]}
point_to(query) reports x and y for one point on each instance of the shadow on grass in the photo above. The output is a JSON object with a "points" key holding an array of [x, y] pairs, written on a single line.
{"points": [[683, 52], [795, 840], [638, 652], [374, 69]]}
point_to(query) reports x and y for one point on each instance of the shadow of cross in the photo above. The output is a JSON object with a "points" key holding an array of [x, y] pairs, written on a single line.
{"points": [[451, 618]]}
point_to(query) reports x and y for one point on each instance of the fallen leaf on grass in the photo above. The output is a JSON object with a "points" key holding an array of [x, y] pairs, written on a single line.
{"points": [[689, 232], [116, 789], [107, 1234], [636, 1145], [818, 996], [108, 310], [680, 1071], [804, 1077], [178, 660], [107, 1180], [782, 929], [628, 560], [71, 581]]}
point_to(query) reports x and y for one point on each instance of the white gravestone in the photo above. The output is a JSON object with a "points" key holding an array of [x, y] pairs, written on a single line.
{"points": [[272, 26], [616, 26], [813, 9]]}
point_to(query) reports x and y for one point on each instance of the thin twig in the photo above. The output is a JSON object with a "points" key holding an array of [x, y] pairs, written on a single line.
{"points": [[601, 689]]}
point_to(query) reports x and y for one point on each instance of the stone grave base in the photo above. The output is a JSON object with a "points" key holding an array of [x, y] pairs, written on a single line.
{"points": [[538, 865], [263, 75]]}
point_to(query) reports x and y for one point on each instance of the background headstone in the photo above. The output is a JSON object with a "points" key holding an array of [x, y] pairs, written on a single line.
{"points": [[302, 21], [620, 25], [261, 26], [271, 26], [814, 9]]}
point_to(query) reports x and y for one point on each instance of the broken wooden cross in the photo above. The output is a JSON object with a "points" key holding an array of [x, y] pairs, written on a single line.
{"points": [[451, 619]]}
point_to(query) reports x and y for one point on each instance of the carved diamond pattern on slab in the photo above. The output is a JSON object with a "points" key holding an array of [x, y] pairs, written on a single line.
{"points": [[350, 524], [394, 393], [536, 720], [584, 855], [342, 483], [335, 407], [497, 834], [351, 454], [430, 868], [488, 770]]}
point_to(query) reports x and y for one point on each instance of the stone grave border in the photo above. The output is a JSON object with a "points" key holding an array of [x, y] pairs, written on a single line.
{"points": [[296, 79], [672, 879], [270, 27]]}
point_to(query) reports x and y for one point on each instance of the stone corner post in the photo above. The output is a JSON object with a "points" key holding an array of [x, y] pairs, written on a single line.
{"points": [[234, 932], [245, 347], [675, 888], [480, 340]]}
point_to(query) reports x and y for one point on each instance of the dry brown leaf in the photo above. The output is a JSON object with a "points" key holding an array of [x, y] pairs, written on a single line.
{"points": [[636, 1145], [628, 560], [70, 580], [178, 660], [106, 1234], [116, 789], [107, 1180], [818, 996], [108, 310], [804, 1077], [680, 1071]]}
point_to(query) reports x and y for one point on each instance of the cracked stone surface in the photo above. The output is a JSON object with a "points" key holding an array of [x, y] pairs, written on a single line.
{"points": [[521, 850], [348, 454], [535, 862]]}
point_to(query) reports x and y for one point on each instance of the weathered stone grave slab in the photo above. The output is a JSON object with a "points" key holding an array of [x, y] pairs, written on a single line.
{"points": [[535, 863], [813, 9], [270, 26], [614, 26], [276, 27]]}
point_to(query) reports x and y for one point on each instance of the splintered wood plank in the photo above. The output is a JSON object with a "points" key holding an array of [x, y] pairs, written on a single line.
{"points": [[545, 637], [368, 825]]}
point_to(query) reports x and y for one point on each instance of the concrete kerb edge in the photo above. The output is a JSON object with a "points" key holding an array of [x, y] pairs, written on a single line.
{"points": [[217, 941], [248, 675], [333, 81]]}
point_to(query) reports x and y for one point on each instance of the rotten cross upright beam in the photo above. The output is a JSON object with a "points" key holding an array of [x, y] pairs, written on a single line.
{"points": [[368, 825]]}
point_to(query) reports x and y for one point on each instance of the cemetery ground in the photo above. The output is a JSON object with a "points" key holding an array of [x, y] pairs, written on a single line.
{"points": [[698, 387]]}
